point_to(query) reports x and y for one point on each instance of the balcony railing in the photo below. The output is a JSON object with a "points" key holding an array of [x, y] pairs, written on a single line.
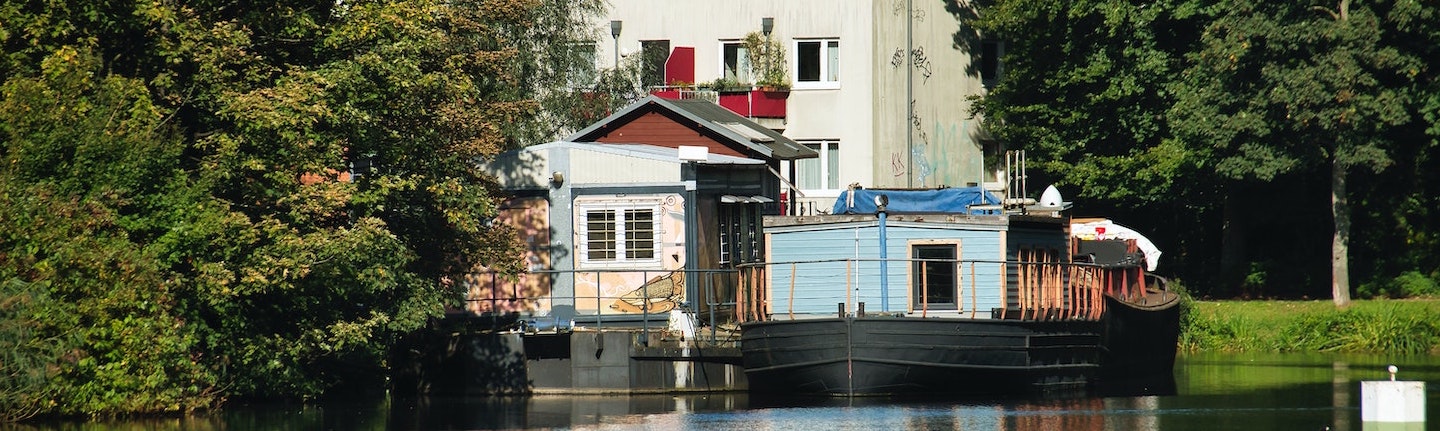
{"points": [[684, 93], [751, 103]]}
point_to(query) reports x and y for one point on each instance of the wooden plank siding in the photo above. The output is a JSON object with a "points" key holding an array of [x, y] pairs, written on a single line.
{"points": [[1054, 239], [658, 129], [820, 286]]}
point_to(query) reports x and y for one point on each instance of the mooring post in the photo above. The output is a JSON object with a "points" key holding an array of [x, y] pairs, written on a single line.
{"points": [[1392, 404]]}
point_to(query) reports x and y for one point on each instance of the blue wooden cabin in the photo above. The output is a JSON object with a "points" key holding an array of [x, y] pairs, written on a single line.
{"points": [[944, 255]]}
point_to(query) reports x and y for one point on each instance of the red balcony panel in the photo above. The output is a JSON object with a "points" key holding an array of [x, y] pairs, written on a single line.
{"points": [[736, 101], [667, 94], [768, 104], [755, 103], [680, 67], [749, 103]]}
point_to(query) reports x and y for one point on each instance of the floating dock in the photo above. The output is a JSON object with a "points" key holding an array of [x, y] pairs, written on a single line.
{"points": [[466, 356]]}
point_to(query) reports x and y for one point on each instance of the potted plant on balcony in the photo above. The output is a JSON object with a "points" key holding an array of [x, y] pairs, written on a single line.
{"points": [[729, 85], [767, 62]]}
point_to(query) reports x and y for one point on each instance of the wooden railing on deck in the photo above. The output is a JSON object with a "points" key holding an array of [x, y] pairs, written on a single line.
{"points": [[1033, 290]]}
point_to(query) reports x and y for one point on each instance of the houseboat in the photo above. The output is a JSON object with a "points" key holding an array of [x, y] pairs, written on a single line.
{"points": [[948, 291]]}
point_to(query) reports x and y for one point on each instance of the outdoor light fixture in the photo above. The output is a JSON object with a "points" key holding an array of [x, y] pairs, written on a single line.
{"points": [[766, 25], [615, 34]]}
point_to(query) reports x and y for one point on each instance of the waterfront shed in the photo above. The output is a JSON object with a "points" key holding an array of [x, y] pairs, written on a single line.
{"points": [[650, 216]]}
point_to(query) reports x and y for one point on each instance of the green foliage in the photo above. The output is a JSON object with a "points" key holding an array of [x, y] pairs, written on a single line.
{"points": [[94, 312], [1312, 88], [1084, 91], [179, 219], [1390, 331], [1161, 113], [569, 109], [26, 357], [723, 84], [767, 61], [1399, 327], [1411, 284]]}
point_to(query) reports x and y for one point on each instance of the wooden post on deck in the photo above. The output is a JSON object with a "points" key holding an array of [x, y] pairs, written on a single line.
{"points": [[848, 263], [740, 295], [755, 299], [791, 305], [972, 293], [924, 289]]}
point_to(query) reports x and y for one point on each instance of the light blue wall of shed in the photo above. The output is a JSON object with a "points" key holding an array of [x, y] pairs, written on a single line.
{"points": [[818, 287]]}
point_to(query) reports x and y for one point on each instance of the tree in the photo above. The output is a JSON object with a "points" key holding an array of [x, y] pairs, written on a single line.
{"points": [[1084, 92], [285, 188], [1277, 88], [89, 317], [1184, 115]]}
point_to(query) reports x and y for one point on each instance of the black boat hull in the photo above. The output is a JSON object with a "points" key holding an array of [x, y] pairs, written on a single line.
{"points": [[897, 355], [1141, 336]]}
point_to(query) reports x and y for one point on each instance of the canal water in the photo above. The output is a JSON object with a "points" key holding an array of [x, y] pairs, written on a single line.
{"points": [[1210, 391]]}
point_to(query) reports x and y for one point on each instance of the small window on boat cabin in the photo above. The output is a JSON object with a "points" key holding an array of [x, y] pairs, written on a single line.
{"points": [[934, 275], [624, 233]]}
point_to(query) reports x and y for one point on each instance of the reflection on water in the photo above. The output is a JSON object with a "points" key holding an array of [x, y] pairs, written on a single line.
{"points": [[1211, 391]]}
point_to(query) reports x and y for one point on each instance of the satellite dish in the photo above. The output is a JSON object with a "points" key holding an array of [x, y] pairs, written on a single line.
{"points": [[1051, 198]]}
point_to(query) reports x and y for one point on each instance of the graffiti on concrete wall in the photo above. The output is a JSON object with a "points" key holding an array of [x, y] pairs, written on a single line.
{"points": [[918, 59], [921, 62], [936, 141], [899, 10]]}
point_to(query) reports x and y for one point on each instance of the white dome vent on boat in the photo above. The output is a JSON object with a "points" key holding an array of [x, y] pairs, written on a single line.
{"points": [[1051, 197]]}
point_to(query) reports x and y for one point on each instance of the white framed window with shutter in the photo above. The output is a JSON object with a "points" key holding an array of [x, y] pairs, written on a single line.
{"points": [[618, 232]]}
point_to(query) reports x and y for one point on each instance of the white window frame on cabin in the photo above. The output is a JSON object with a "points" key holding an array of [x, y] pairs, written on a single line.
{"points": [[624, 237], [958, 278], [827, 59]]}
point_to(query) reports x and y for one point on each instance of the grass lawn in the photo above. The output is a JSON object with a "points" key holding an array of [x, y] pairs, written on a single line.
{"points": [[1393, 326]]}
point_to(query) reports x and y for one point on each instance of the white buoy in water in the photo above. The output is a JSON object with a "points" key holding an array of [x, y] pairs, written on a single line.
{"points": [[1393, 404]]}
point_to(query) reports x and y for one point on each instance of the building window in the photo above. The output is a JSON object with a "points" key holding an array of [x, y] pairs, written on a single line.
{"points": [[990, 66], [734, 61], [625, 234], [934, 278], [821, 173], [817, 63], [653, 53], [580, 64]]}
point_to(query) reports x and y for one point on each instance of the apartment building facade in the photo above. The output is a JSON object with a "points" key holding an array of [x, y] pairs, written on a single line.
{"points": [[878, 87]]}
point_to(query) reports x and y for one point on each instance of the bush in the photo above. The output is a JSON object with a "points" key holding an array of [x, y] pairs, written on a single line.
{"points": [[1413, 284], [1410, 284], [24, 355]]}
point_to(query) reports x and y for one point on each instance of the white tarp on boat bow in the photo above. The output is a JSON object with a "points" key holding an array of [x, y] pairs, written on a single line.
{"points": [[1106, 229]]}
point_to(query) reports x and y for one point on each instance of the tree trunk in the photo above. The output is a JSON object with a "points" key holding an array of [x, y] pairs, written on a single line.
{"points": [[1340, 248]]}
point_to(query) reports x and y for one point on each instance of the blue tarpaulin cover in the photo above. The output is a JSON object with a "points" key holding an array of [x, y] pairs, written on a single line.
{"points": [[956, 200]]}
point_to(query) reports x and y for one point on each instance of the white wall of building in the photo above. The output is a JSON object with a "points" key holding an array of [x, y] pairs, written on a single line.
{"points": [[866, 113]]}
